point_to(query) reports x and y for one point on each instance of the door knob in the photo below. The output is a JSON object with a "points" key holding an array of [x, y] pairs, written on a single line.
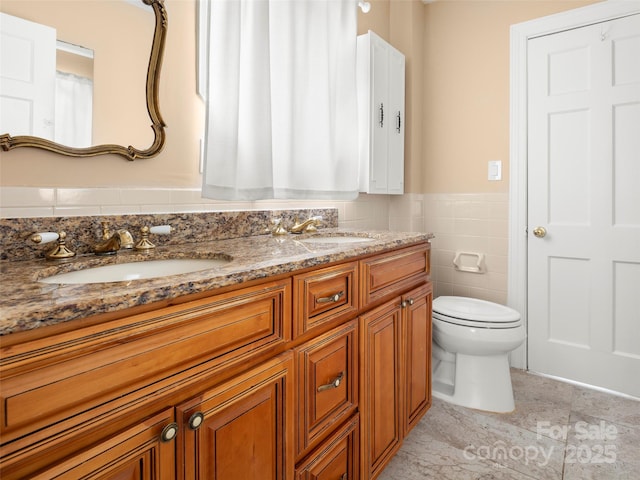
{"points": [[539, 232]]}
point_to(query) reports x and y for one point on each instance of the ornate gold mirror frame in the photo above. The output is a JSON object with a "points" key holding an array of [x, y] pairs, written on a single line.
{"points": [[7, 142]]}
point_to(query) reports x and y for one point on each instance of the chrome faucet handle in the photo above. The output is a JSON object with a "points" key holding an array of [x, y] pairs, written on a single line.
{"points": [[60, 251], [145, 243]]}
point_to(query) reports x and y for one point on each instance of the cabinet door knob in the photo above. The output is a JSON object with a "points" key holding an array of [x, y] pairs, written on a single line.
{"points": [[331, 298], [399, 124], [169, 432], [195, 421], [335, 383], [381, 115], [407, 302], [344, 477]]}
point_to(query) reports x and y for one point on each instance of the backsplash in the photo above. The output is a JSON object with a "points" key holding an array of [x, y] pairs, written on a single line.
{"points": [[476, 222], [83, 232]]}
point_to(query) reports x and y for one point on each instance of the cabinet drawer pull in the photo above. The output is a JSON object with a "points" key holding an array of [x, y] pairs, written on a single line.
{"points": [[399, 123], [195, 421], [381, 122], [331, 298], [169, 432], [335, 383]]}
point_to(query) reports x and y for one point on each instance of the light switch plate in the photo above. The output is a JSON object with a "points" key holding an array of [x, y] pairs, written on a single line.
{"points": [[495, 170]]}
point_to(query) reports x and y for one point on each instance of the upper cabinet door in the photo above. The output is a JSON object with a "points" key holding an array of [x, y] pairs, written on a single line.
{"points": [[381, 91], [380, 116], [395, 124]]}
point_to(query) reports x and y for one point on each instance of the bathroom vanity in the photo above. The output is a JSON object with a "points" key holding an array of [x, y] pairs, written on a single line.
{"points": [[293, 360]]}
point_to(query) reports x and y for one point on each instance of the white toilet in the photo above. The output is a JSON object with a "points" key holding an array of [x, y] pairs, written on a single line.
{"points": [[471, 343]]}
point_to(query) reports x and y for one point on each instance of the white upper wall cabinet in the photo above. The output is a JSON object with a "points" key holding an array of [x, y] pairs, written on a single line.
{"points": [[381, 71]]}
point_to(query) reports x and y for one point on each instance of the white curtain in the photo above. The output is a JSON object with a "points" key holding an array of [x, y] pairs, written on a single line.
{"points": [[281, 100], [74, 110]]}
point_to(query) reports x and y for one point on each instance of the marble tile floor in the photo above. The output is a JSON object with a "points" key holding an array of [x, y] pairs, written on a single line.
{"points": [[558, 431]]}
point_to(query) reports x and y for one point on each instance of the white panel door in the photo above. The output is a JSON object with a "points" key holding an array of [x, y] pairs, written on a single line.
{"points": [[584, 191], [27, 77]]}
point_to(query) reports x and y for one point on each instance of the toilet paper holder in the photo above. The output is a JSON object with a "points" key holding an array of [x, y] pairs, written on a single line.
{"points": [[471, 262]]}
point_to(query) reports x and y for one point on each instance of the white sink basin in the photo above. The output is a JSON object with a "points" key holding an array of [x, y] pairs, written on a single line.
{"points": [[337, 239], [123, 272]]}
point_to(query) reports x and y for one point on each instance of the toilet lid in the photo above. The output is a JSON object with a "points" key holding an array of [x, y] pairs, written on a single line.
{"points": [[475, 310]]}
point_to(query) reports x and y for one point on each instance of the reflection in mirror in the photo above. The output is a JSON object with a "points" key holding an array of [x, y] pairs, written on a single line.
{"points": [[73, 93], [82, 106]]}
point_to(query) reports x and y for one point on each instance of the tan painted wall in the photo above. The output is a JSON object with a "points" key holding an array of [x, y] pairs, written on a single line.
{"points": [[128, 122], [457, 99], [466, 90]]}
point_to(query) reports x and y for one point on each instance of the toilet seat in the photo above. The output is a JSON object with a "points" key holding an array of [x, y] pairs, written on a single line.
{"points": [[472, 312]]}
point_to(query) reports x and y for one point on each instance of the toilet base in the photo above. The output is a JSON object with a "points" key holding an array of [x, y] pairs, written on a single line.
{"points": [[480, 382]]}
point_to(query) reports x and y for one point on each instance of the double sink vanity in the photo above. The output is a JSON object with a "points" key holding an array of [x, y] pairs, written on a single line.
{"points": [[280, 357]]}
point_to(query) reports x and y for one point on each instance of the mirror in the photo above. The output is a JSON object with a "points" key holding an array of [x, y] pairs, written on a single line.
{"points": [[124, 69]]}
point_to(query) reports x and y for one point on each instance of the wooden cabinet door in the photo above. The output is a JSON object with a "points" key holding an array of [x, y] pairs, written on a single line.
{"points": [[243, 428], [417, 354], [380, 386], [145, 451]]}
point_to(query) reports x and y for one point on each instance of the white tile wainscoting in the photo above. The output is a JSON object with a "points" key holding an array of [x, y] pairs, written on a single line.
{"points": [[469, 222], [460, 222], [368, 211]]}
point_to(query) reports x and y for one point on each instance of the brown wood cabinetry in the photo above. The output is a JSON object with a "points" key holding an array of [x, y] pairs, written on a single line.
{"points": [[145, 451], [416, 337], [243, 428], [65, 393], [327, 384], [336, 458], [395, 355], [324, 296], [380, 387], [317, 375]]}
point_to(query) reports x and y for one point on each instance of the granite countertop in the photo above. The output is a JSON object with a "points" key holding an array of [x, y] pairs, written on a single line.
{"points": [[26, 304]]}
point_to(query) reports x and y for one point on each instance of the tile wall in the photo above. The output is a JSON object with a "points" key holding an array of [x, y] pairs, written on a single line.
{"points": [[461, 222], [368, 211]]}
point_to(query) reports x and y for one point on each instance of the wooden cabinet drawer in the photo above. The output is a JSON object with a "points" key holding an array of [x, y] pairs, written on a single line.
{"points": [[324, 295], [327, 379], [336, 458], [389, 274], [137, 452], [123, 360]]}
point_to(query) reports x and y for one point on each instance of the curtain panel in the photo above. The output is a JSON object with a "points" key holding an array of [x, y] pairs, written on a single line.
{"points": [[281, 102]]}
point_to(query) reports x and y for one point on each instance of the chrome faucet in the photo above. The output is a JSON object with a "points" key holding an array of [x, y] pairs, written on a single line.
{"points": [[110, 244], [308, 225]]}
